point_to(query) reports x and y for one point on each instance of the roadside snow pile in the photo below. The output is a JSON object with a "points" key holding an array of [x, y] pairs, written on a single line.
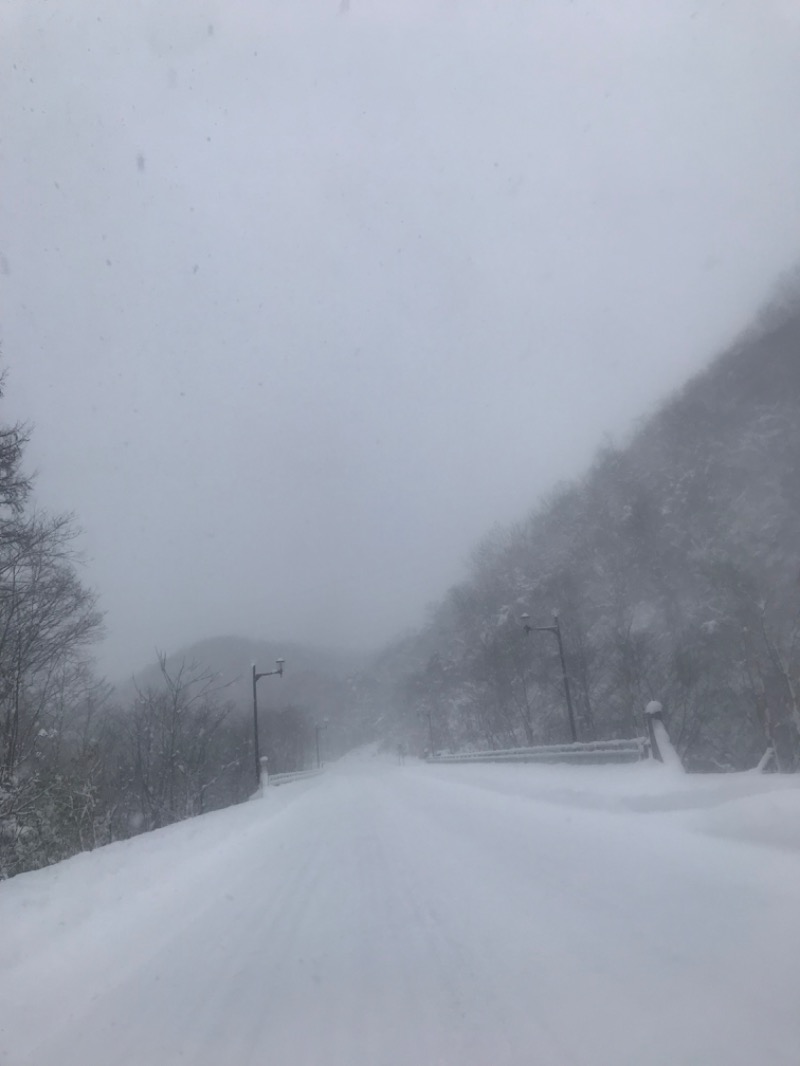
{"points": [[598, 788], [754, 807], [126, 881], [771, 818]]}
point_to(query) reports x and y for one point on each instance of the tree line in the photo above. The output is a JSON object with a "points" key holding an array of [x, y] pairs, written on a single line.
{"points": [[80, 767]]}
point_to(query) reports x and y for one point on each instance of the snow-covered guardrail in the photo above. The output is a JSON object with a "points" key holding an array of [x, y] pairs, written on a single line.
{"points": [[594, 751], [285, 779]]}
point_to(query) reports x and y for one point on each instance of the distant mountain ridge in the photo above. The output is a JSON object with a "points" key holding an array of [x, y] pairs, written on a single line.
{"points": [[309, 673]]}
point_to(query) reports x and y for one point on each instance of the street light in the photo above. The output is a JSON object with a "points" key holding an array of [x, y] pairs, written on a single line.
{"points": [[556, 628], [318, 729], [267, 673], [428, 713]]}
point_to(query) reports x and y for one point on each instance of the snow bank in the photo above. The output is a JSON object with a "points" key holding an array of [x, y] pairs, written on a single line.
{"points": [[771, 818], [758, 808], [127, 879]]}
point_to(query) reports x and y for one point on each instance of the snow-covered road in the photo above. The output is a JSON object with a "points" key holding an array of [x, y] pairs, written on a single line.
{"points": [[385, 915]]}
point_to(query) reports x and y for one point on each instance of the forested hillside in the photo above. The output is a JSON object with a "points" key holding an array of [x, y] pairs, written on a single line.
{"points": [[674, 565], [82, 763]]}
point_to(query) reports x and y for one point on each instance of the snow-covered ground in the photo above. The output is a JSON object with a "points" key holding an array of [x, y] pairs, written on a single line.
{"points": [[383, 915]]}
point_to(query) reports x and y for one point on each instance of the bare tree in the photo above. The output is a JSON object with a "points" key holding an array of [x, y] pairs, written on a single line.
{"points": [[170, 751]]}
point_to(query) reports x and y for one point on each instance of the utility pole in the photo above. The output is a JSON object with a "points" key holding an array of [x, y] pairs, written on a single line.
{"points": [[556, 628], [267, 673]]}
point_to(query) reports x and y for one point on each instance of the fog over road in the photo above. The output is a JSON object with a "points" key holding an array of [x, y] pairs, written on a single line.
{"points": [[383, 915]]}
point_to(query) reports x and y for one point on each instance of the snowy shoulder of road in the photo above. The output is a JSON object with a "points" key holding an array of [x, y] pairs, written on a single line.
{"points": [[753, 807], [128, 881], [381, 915]]}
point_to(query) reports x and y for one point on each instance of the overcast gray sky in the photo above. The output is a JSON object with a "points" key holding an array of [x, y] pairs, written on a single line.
{"points": [[303, 296]]}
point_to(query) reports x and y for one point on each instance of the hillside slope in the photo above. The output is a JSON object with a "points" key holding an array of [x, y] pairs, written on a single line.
{"points": [[675, 566]]}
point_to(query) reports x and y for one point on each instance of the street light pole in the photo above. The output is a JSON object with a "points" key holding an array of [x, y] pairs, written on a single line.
{"points": [[429, 715], [556, 628], [267, 673], [318, 729]]}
